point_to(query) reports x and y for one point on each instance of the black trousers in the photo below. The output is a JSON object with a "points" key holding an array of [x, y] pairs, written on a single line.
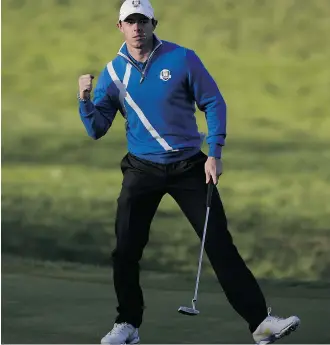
{"points": [[144, 185]]}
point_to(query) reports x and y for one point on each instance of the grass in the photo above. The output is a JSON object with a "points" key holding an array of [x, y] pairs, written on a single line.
{"points": [[80, 223], [270, 60], [70, 303]]}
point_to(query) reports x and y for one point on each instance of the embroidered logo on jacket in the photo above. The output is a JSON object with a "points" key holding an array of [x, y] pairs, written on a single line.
{"points": [[165, 75]]}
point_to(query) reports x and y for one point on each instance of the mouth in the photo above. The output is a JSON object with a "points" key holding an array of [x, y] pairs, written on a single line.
{"points": [[139, 37]]}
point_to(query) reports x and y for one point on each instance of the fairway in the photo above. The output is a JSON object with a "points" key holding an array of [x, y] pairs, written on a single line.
{"points": [[50, 303]]}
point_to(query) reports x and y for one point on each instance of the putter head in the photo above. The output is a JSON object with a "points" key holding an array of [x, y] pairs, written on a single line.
{"points": [[188, 311]]}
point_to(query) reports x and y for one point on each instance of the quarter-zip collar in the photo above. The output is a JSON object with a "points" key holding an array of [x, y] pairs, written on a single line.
{"points": [[123, 53]]}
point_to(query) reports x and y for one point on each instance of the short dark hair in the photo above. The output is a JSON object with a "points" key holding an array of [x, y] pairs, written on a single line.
{"points": [[153, 21]]}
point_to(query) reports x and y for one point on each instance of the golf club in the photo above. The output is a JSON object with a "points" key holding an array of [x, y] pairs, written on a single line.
{"points": [[193, 311]]}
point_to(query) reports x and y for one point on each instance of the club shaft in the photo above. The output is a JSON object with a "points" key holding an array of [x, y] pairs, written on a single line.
{"points": [[201, 255]]}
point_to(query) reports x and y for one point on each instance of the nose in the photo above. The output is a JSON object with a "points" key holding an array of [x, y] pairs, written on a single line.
{"points": [[137, 27]]}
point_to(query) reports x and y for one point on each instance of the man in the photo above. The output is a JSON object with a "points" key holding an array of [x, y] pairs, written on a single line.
{"points": [[155, 84]]}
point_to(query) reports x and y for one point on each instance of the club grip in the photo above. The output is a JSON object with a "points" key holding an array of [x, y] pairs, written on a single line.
{"points": [[209, 193]]}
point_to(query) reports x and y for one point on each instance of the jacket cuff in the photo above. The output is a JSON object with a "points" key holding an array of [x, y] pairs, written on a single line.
{"points": [[86, 107], [215, 150]]}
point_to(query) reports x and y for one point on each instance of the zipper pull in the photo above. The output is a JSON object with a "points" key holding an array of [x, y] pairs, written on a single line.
{"points": [[142, 78]]}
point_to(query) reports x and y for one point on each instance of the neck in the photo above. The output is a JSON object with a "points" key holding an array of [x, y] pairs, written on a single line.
{"points": [[141, 54]]}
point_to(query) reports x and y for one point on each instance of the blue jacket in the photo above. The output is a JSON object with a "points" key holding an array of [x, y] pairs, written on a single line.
{"points": [[158, 104]]}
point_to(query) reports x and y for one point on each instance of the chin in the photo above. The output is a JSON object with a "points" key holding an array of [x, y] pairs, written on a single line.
{"points": [[138, 45]]}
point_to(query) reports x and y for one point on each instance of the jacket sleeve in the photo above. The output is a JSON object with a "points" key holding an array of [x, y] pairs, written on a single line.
{"points": [[98, 115], [209, 100]]}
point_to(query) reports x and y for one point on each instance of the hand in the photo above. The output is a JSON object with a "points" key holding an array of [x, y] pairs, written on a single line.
{"points": [[85, 85], [213, 169]]}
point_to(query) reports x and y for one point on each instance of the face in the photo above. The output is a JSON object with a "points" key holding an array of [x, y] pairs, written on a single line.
{"points": [[137, 29]]}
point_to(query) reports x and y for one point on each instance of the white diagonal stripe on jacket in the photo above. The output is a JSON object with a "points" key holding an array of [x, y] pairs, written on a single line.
{"points": [[124, 95]]}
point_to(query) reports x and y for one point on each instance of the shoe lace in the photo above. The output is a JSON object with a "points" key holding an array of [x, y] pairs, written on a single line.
{"points": [[118, 328], [274, 317]]}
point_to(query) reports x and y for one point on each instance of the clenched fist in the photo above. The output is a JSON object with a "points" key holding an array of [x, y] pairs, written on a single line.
{"points": [[85, 85]]}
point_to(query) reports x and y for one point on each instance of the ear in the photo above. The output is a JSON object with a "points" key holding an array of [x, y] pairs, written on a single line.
{"points": [[120, 26], [154, 23]]}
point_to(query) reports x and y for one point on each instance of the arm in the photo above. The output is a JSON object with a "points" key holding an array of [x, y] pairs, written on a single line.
{"points": [[98, 115], [209, 100]]}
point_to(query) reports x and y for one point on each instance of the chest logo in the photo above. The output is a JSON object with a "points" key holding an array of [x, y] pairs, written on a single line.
{"points": [[165, 75], [136, 3]]}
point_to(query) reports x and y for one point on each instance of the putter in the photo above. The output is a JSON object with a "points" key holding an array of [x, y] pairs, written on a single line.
{"points": [[193, 311]]}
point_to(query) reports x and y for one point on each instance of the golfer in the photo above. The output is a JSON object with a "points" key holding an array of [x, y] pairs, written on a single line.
{"points": [[155, 85]]}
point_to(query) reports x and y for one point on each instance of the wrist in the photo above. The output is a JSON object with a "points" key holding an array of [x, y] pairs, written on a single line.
{"points": [[83, 96]]}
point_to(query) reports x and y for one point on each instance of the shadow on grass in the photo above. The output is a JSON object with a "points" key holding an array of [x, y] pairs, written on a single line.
{"points": [[66, 149], [271, 246]]}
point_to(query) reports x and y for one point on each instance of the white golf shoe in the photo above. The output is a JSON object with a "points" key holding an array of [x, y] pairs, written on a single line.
{"points": [[122, 333], [274, 328]]}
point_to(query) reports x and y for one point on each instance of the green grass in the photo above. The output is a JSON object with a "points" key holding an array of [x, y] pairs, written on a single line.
{"points": [[51, 216], [270, 59], [67, 303]]}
